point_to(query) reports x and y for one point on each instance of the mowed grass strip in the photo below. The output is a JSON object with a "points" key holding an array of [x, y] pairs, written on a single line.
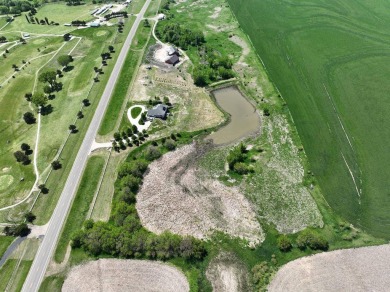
{"points": [[10, 281], [81, 204], [5, 242], [333, 71]]}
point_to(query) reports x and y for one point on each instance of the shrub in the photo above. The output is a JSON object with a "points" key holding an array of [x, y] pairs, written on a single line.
{"points": [[152, 153], [170, 145], [284, 243], [308, 238], [241, 168]]}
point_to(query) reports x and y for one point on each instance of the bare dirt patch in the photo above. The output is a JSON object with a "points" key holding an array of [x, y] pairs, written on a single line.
{"points": [[125, 275], [361, 269], [226, 273], [178, 196]]}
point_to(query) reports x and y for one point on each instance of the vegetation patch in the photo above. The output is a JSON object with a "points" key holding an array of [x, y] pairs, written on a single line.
{"points": [[5, 181], [176, 196], [135, 112]]}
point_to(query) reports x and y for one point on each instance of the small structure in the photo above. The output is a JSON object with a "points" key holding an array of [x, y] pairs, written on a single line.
{"points": [[159, 111], [94, 24], [172, 60], [172, 51], [26, 35], [161, 16]]}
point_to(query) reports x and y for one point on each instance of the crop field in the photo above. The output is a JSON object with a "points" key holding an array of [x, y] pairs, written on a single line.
{"points": [[125, 275], [330, 60], [362, 269]]}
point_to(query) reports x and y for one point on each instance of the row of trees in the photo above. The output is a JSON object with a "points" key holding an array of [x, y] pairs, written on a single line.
{"points": [[34, 20], [22, 155], [306, 239], [116, 14], [124, 235]]}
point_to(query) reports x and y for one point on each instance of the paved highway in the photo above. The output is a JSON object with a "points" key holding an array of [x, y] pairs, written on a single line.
{"points": [[46, 249]]}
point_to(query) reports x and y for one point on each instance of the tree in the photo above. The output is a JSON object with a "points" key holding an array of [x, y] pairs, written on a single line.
{"points": [[86, 102], [43, 188], [17, 230], [152, 153], [29, 118], [170, 145], [284, 243], [21, 157], [30, 217], [39, 99], [48, 76], [309, 238], [111, 48], [117, 136], [72, 128], [28, 96], [56, 164], [64, 60], [26, 148], [80, 115]]}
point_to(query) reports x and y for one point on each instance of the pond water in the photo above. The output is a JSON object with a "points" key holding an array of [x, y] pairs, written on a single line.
{"points": [[244, 120]]}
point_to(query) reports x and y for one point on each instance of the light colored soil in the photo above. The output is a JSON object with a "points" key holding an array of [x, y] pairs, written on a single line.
{"points": [[179, 197], [227, 274], [217, 11], [125, 275], [193, 108], [361, 269]]}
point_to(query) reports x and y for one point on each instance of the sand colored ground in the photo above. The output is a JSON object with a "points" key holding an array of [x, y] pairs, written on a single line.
{"points": [[125, 275], [179, 197], [227, 274], [361, 269]]}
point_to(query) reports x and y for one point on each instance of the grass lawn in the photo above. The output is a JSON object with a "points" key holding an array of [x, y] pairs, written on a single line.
{"points": [[57, 12], [135, 112], [12, 276], [331, 64], [5, 242], [81, 204], [52, 283]]}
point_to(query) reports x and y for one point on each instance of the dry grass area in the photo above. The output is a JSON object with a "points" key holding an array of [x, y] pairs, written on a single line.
{"points": [[361, 269], [125, 275], [178, 196], [193, 108], [226, 273]]}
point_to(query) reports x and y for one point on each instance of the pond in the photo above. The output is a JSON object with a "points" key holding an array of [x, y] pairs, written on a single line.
{"points": [[244, 120]]}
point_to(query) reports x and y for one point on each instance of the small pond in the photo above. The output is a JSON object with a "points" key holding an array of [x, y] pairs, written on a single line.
{"points": [[244, 120]]}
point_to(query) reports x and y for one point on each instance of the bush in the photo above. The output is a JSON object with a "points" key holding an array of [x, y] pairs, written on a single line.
{"points": [[284, 243], [308, 238], [170, 145], [241, 168], [152, 153]]}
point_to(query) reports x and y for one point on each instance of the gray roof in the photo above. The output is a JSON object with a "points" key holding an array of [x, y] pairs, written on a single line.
{"points": [[172, 50], [173, 60], [159, 111]]}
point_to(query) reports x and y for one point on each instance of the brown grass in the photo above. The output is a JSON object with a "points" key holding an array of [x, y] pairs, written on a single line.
{"points": [[179, 197], [125, 275], [226, 273], [361, 269]]}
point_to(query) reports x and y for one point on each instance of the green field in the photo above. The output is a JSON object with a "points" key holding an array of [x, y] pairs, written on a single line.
{"points": [[331, 62], [13, 273], [5, 241]]}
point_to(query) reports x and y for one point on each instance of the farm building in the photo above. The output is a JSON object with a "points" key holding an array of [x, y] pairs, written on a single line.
{"points": [[173, 60], [159, 111], [172, 51]]}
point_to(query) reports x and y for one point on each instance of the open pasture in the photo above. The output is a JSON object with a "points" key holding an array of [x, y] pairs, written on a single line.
{"points": [[330, 60]]}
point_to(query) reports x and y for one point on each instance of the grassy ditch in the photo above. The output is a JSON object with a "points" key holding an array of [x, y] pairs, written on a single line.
{"points": [[13, 273], [126, 76], [81, 204], [5, 242]]}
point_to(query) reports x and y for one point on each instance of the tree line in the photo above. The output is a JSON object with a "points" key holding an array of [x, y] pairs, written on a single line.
{"points": [[15, 6], [124, 235]]}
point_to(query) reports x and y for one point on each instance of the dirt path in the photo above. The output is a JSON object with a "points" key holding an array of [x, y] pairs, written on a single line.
{"points": [[361, 269], [125, 275]]}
